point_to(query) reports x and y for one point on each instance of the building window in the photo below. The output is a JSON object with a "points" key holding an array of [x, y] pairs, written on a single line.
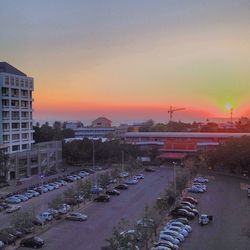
{"points": [[14, 104], [25, 146], [6, 138], [15, 148], [14, 92], [25, 115], [6, 80], [15, 125], [15, 115], [25, 125], [25, 136], [5, 103], [6, 126], [5, 91], [6, 115], [16, 137]]}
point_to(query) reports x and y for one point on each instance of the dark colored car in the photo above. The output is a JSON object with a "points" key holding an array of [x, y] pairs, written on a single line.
{"points": [[122, 186], [150, 170], [191, 200], [26, 230], [13, 231], [34, 242], [7, 238], [113, 192], [182, 213], [102, 198]]}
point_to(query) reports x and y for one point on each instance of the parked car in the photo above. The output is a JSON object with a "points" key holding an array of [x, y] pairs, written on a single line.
{"points": [[167, 244], [200, 185], [178, 224], [124, 174], [13, 209], [180, 230], [13, 231], [176, 235], [7, 238], [28, 195], [131, 181], [102, 198], [139, 176], [2, 245], [183, 213], [39, 221], [195, 189], [76, 217], [113, 192], [46, 216], [34, 242], [64, 183], [189, 209], [122, 187], [186, 203], [148, 169], [96, 190], [191, 200], [49, 187], [26, 230], [13, 200], [201, 179], [170, 238], [146, 222], [33, 192], [182, 220], [21, 197]]}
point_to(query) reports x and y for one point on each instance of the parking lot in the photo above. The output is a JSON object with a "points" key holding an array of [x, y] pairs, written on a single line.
{"points": [[230, 207], [91, 235]]}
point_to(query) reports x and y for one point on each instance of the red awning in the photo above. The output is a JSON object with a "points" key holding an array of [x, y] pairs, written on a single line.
{"points": [[173, 155]]}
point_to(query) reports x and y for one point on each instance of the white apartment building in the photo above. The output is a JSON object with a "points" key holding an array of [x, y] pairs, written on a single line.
{"points": [[16, 128]]}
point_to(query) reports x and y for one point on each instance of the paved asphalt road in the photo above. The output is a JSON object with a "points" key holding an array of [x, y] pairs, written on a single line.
{"points": [[91, 235], [230, 207]]}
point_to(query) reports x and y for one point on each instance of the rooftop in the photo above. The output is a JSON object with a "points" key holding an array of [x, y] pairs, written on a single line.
{"points": [[7, 68]]}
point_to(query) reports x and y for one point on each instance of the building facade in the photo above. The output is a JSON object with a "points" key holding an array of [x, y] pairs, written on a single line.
{"points": [[16, 120], [42, 158], [101, 122]]}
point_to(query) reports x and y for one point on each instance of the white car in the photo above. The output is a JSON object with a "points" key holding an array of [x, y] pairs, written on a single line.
{"points": [[131, 181], [179, 230], [76, 216], [170, 238], [201, 179], [174, 234], [13, 209], [179, 224], [33, 192], [199, 185], [46, 216], [13, 200], [1, 245], [195, 189], [139, 177]]}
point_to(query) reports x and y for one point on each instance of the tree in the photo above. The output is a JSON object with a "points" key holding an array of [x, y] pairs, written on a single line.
{"points": [[56, 202], [23, 219], [104, 180]]}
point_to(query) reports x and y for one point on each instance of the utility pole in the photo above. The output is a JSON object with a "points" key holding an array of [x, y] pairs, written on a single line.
{"points": [[231, 115]]}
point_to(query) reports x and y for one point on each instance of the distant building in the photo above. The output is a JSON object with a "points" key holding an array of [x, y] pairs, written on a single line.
{"points": [[121, 130], [16, 128], [90, 132], [101, 122], [73, 125], [177, 145]]}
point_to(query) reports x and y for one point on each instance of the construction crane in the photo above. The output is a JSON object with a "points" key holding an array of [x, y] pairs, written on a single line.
{"points": [[172, 110]]}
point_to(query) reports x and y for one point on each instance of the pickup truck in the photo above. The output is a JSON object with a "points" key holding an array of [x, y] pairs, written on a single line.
{"points": [[205, 219]]}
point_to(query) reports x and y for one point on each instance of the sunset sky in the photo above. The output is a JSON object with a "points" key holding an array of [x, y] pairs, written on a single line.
{"points": [[129, 60]]}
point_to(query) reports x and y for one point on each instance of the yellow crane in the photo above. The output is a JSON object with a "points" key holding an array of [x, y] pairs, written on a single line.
{"points": [[172, 110]]}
